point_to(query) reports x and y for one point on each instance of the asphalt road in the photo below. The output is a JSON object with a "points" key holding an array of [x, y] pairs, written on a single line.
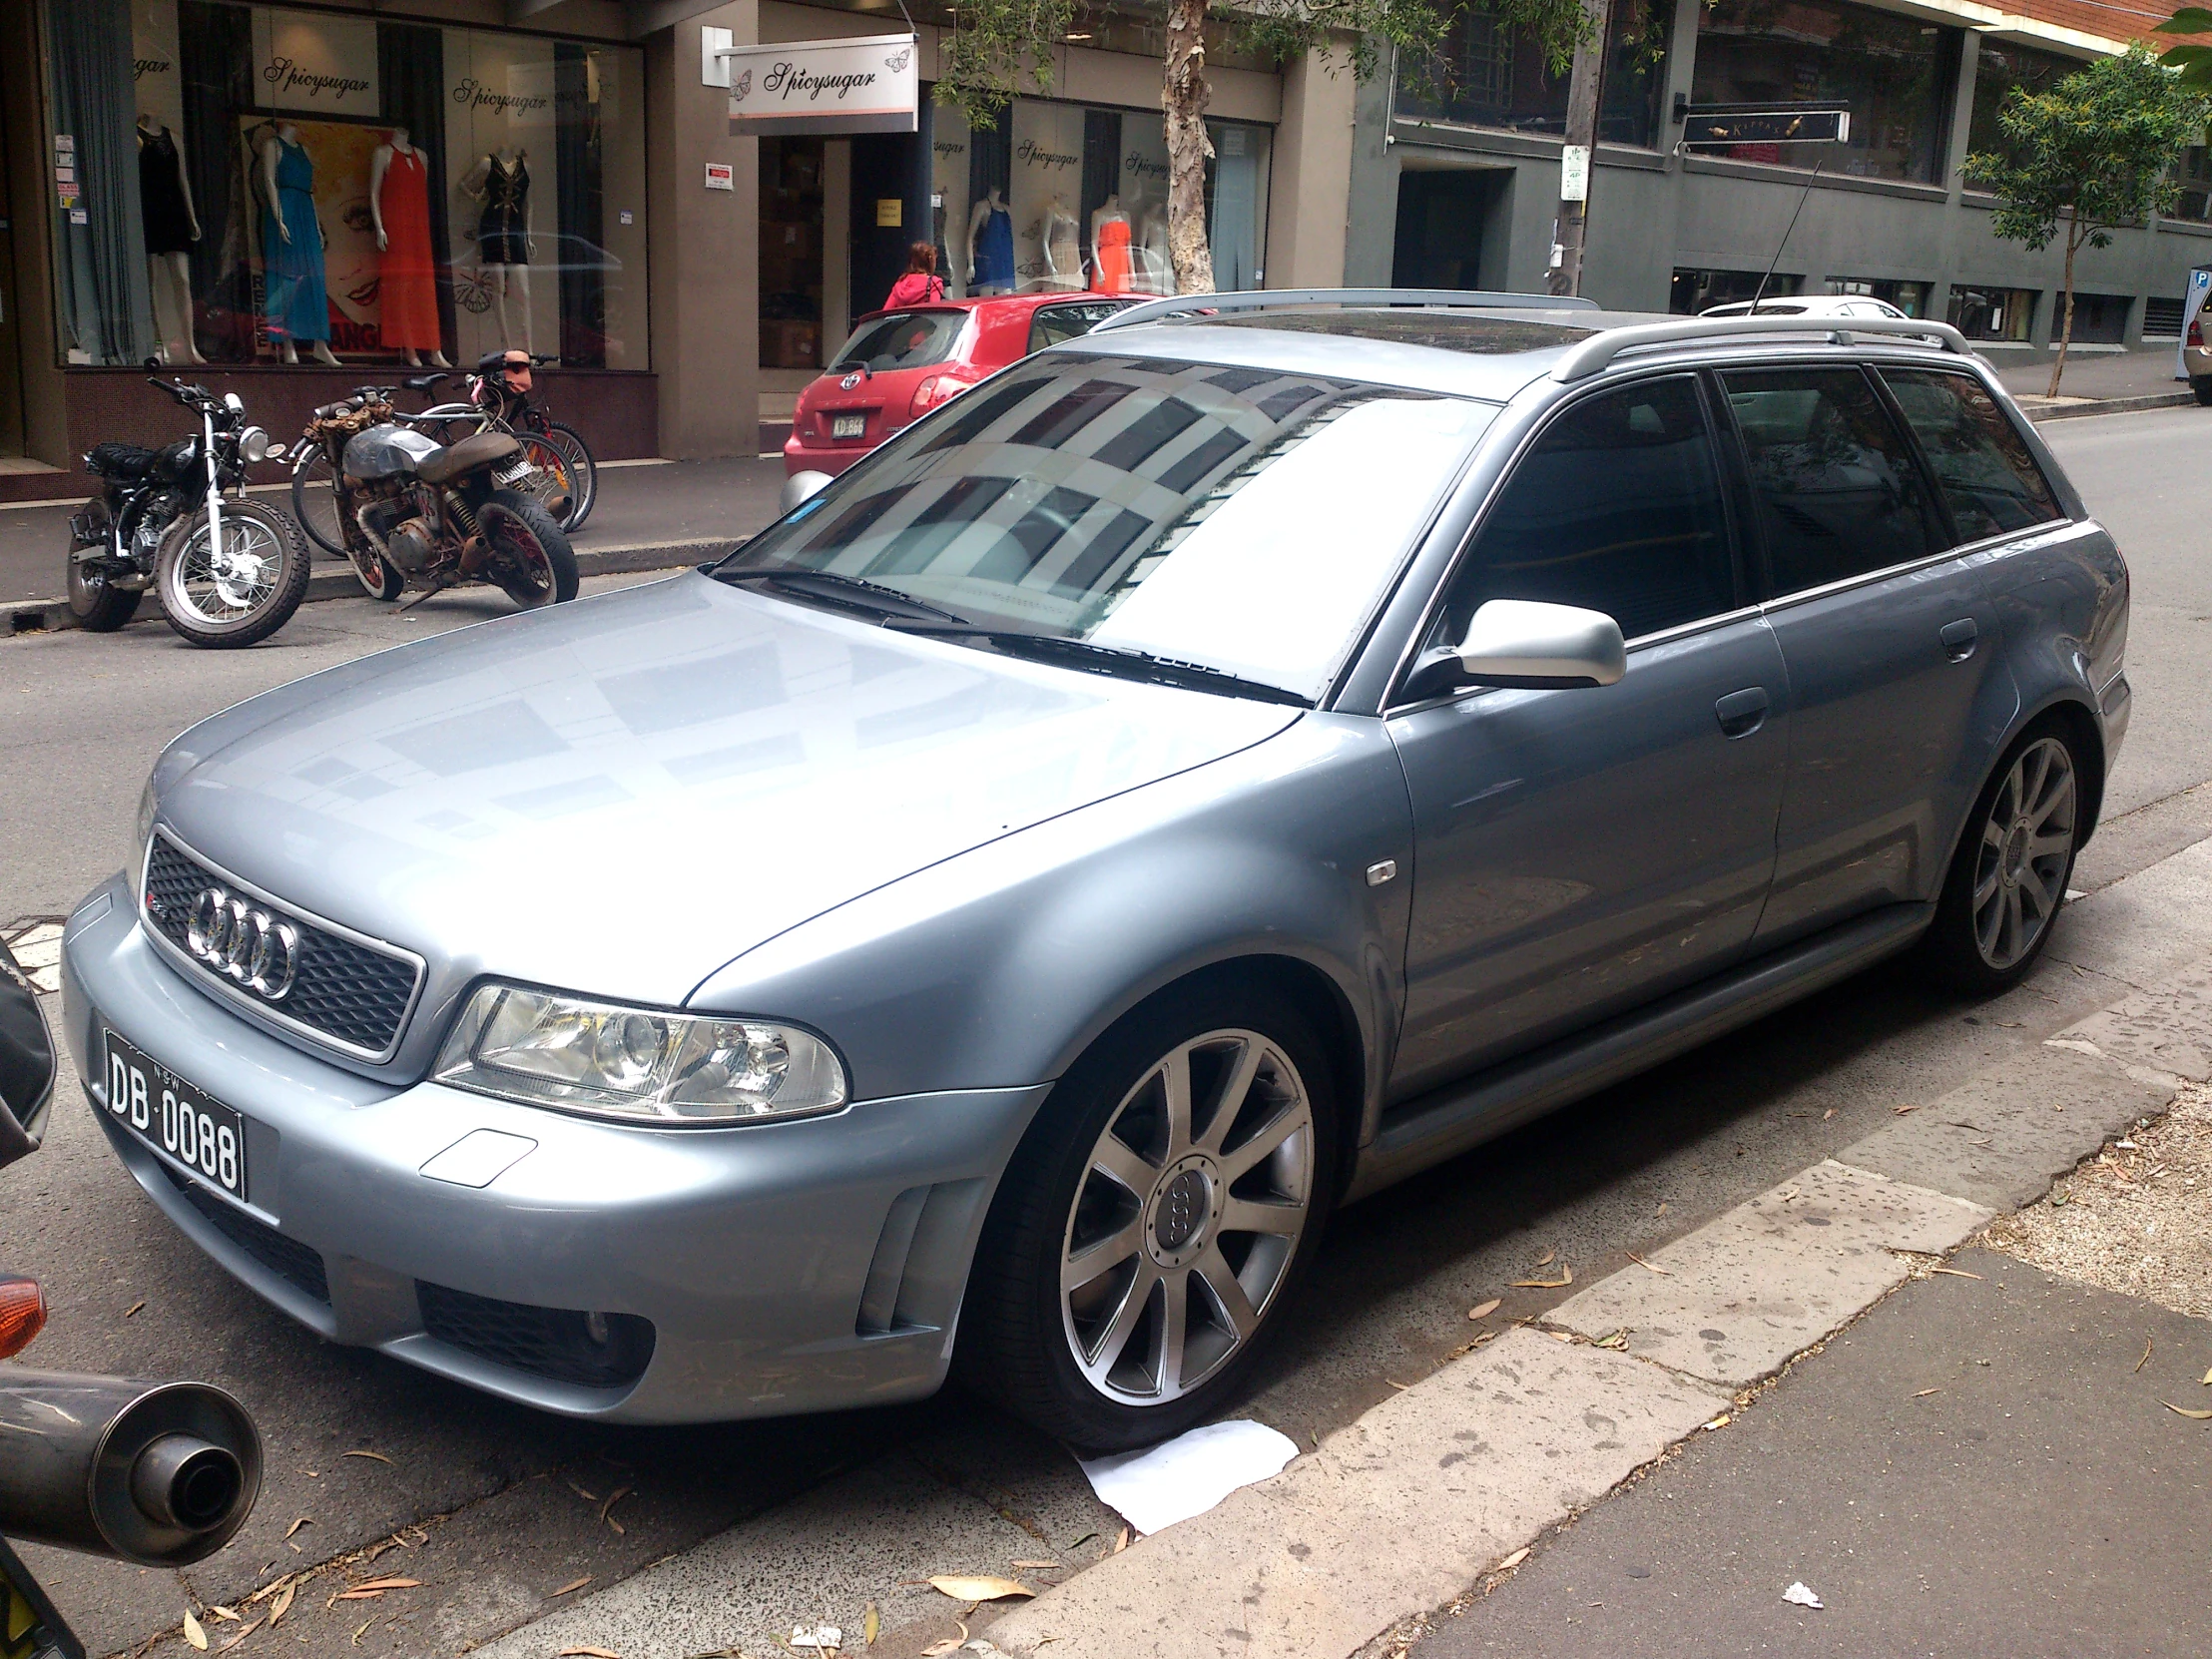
{"points": [[499, 1491]]}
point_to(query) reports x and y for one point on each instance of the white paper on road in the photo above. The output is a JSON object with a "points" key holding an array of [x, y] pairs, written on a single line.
{"points": [[1189, 1474], [1798, 1596]]}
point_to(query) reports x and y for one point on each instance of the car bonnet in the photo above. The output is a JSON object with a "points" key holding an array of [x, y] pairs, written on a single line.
{"points": [[618, 796]]}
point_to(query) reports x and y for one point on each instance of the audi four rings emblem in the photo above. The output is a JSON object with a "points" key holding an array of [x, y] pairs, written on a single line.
{"points": [[251, 946]]}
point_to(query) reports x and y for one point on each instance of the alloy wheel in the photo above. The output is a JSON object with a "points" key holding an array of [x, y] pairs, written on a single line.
{"points": [[1187, 1217], [2026, 849]]}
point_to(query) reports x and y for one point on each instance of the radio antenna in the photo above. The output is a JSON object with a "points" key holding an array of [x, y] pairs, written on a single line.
{"points": [[1761, 292]]}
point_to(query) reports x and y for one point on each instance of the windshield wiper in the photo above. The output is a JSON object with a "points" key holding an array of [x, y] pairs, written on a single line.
{"points": [[854, 591], [1121, 661]]}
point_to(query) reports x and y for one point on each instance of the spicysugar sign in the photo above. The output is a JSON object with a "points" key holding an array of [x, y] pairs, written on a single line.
{"points": [[868, 85]]}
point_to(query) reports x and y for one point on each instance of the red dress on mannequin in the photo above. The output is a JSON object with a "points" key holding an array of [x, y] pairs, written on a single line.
{"points": [[1113, 257], [407, 294]]}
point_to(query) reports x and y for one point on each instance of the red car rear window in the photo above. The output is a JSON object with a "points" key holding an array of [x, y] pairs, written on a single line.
{"points": [[904, 340]]}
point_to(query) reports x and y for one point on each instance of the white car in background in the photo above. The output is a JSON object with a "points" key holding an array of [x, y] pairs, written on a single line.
{"points": [[1810, 305]]}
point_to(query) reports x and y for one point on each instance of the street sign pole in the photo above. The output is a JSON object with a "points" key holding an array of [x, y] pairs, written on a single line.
{"points": [[1585, 91]]}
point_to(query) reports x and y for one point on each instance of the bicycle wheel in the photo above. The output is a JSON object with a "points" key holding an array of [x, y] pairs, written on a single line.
{"points": [[315, 501], [554, 486], [582, 472]]}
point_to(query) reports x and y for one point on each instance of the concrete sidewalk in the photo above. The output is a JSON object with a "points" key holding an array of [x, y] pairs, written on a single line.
{"points": [[649, 516], [2096, 383]]}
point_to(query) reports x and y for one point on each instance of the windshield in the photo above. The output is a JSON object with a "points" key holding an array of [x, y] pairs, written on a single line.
{"points": [[904, 339], [1141, 504]]}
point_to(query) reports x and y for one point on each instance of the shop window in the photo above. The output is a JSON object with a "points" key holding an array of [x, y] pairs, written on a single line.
{"points": [[2194, 174], [1895, 73], [1999, 67], [2099, 319], [1696, 292], [1057, 197], [1908, 297], [1993, 314], [792, 207], [275, 183], [1490, 75]]}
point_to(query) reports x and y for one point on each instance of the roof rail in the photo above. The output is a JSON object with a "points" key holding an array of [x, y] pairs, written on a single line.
{"points": [[1598, 351], [1269, 299]]}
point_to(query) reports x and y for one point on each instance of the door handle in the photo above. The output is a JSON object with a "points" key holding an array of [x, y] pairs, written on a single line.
{"points": [[1742, 713], [1958, 638]]}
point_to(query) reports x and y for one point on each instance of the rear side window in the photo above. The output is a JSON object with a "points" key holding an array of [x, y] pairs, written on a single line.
{"points": [[904, 339], [1837, 488], [1617, 508], [1053, 324], [1989, 479]]}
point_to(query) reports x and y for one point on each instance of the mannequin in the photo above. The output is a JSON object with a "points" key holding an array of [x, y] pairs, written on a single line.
{"points": [[1155, 271], [172, 227], [292, 247], [990, 246], [400, 207], [1063, 258], [1110, 247], [501, 181]]}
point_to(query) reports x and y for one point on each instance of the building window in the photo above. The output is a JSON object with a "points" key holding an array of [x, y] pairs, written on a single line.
{"points": [[792, 209], [1999, 67], [1894, 74], [2099, 319], [2195, 177], [241, 214], [1993, 314], [2161, 318], [1696, 292], [1908, 297], [1489, 75]]}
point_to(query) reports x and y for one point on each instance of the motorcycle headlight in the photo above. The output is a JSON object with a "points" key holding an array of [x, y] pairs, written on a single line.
{"points": [[147, 807], [254, 445], [542, 1048]]}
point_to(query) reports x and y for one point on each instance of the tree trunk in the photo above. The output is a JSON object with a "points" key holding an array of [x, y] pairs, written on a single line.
{"points": [[1182, 98], [1585, 95], [2065, 337]]}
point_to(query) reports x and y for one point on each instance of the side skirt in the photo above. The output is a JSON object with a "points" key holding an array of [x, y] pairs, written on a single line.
{"points": [[1448, 1121]]}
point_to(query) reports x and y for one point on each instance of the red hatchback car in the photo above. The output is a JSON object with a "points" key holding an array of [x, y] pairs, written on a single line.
{"points": [[899, 366]]}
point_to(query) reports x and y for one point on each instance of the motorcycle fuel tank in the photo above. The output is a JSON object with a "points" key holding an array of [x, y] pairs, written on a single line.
{"points": [[385, 452]]}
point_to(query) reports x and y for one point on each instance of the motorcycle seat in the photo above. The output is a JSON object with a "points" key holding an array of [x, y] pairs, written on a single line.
{"points": [[119, 461], [443, 465]]}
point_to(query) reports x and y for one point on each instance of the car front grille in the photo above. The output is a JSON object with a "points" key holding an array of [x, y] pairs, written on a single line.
{"points": [[351, 993], [557, 1344], [298, 1265]]}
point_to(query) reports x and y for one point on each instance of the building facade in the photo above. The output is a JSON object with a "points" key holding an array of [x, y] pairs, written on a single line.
{"points": [[1455, 174], [287, 201]]}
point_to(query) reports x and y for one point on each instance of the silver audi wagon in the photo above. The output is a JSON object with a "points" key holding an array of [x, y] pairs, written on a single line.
{"points": [[1202, 775]]}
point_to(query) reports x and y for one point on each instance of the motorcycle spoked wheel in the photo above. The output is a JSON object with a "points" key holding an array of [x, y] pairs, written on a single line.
{"points": [[264, 580], [378, 576], [99, 606], [531, 560]]}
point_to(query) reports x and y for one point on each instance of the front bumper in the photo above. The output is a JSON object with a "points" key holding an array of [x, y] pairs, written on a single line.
{"points": [[786, 1268]]}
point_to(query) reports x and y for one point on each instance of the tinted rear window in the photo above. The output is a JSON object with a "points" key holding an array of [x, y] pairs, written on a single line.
{"points": [[1982, 464], [904, 339]]}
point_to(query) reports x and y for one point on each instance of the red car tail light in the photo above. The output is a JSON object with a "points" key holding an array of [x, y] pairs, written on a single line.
{"points": [[2196, 334], [22, 1314], [938, 388]]}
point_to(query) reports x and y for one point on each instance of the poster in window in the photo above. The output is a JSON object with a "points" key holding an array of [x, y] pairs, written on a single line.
{"points": [[337, 153]]}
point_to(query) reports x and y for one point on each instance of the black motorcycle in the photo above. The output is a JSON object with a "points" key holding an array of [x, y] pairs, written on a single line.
{"points": [[228, 571], [162, 1474]]}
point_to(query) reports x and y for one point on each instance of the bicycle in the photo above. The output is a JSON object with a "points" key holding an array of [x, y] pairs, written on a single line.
{"points": [[499, 399]]}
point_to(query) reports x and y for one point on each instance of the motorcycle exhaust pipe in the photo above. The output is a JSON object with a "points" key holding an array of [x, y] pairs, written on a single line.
{"points": [[158, 1473]]}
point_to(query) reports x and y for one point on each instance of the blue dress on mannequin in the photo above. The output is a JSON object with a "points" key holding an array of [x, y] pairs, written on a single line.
{"points": [[298, 308], [995, 252]]}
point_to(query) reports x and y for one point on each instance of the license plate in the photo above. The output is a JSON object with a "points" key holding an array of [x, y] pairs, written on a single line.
{"points": [[514, 474], [849, 427], [171, 1116]]}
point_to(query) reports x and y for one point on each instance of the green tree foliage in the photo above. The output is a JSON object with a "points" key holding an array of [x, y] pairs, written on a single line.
{"points": [[994, 50], [2192, 60], [2089, 154]]}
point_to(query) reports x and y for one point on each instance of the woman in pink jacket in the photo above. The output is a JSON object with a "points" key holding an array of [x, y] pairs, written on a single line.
{"points": [[921, 284]]}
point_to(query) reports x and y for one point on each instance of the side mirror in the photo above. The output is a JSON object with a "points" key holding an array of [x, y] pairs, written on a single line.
{"points": [[799, 488], [1522, 642], [26, 1064]]}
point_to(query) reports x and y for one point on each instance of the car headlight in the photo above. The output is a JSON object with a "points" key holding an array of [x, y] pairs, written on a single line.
{"points": [[147, 808], [545, 1050]]}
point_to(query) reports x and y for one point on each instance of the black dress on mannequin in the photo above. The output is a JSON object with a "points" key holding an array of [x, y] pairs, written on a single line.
{"points": [[502, 234], [162, 194]]}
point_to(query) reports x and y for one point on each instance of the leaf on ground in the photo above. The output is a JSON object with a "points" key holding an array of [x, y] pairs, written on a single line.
{"points": [[1482, 1310], [2145, 1359], [1824, 1116], [1900, 1111], [1122, 1540], [588, 1497], [1663, 1273], [1035, 1567], [2208, 1379], [390, 1584], [979, 1587], [573, 1586], [588, 1653], [2184, 1411], [1925, 1392], [134, 1308], [1566, 1278], [357, 1595], [244, 1632], [1513, 1560], [1618, 1339], [871, 1625], [303, 1520], [379, 1457], [939, 1649], [1956, 1273], [1547, 1258], [358, 1635], [230, 1613], [283, 1604], [606, 1510], [198, 1637]]}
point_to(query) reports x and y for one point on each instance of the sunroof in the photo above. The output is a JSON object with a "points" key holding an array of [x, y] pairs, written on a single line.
{"points": [[1445, 330]]}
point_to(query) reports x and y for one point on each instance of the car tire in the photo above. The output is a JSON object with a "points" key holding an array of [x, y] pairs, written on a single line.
{"points": [[2201, 385], [2008, 877], [1115, 1301]]}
